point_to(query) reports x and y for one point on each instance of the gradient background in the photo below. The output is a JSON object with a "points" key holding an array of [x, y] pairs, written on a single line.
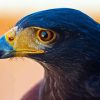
{"points": [[17, 76]]}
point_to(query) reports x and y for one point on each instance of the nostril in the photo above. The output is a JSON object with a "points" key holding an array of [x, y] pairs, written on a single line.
{"points": [[1, 53]]}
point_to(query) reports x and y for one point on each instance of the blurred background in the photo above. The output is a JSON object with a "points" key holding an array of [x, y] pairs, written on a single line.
{"points": [[19, 75]]}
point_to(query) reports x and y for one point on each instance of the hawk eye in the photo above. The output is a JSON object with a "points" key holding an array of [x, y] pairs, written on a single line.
{"points": [[46, 36]]}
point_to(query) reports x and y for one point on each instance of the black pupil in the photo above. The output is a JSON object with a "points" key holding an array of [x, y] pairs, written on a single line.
{"points": [[44, 34]]}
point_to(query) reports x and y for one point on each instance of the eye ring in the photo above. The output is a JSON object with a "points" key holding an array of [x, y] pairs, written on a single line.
{"points": [[46, 36]]}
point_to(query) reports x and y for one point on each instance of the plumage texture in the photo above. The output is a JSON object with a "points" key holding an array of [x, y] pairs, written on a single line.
{"points": [[75, 60], [72, 63]]}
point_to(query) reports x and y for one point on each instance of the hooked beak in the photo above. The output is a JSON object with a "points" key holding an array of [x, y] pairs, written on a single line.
{"points": [[15, 43], [5, 48]]}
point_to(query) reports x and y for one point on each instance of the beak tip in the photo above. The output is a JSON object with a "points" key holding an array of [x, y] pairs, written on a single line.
{"points": [[1, 53]]}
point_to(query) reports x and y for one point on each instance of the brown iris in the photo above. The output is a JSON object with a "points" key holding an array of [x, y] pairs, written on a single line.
{"points": [[46, 35]]}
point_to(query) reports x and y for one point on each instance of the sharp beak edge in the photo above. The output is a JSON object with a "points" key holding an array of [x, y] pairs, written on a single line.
{"points": [[5, 48]]}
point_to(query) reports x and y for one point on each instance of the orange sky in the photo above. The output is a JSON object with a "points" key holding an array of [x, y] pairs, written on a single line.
{"points": [[6, 22]]}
